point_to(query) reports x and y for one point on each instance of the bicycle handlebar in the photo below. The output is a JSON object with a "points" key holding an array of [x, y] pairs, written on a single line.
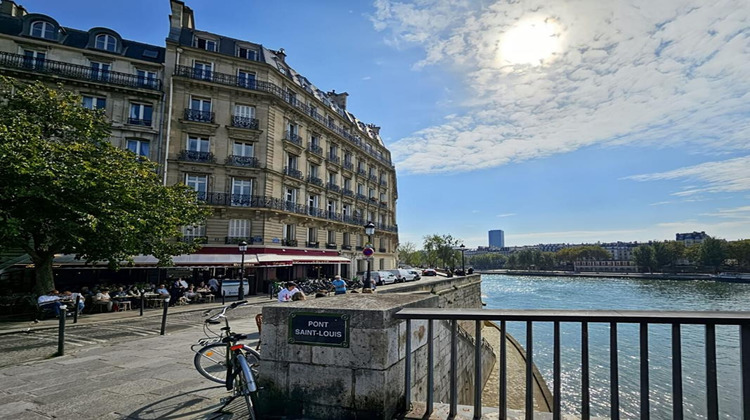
{"points": [[224, 311]]}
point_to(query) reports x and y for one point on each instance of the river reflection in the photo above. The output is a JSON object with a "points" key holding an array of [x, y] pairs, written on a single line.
{"points": [[523, 292]]}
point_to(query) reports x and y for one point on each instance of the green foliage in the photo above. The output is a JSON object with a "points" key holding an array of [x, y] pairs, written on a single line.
{"points": [[740, 252], [585, 252], [409, 255], [65, 189], [713, 252], [644, 257], [487, 261], [531, 259], [440, 250]]}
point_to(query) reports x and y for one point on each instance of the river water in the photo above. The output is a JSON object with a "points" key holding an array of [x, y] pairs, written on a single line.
{"points": [[526, 292]]}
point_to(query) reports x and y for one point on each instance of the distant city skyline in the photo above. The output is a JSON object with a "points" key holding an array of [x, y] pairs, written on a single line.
{"points": [[597, 121]]}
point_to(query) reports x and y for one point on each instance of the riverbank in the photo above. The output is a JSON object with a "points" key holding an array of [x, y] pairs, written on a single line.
{"points": [[650, 276]]}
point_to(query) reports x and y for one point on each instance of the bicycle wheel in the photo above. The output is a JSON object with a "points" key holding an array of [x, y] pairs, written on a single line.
{"points": [[242, 386], [210, 361]]}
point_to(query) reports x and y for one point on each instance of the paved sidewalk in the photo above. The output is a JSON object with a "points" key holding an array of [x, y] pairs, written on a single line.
{"points": [[141, 378]]}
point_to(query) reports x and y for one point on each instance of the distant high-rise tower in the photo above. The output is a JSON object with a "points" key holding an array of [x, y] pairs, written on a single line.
{"points": [[497, 239]]}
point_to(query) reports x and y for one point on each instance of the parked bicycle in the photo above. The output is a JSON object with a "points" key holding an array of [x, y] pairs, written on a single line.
{"points": [[211, 354]]}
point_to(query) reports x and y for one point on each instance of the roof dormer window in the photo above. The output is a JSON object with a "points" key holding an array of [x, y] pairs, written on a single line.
{"points": [[106, 42], [205, 44], [43, 29]]}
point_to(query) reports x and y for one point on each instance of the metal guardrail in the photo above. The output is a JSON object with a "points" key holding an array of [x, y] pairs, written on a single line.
{"points": [[614, 318]]}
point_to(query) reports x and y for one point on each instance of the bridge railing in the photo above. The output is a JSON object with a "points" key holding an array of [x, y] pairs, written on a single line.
{"points": [[583, 318]]}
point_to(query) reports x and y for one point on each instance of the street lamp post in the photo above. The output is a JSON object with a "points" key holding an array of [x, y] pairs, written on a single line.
{"points": [[463, 266], [369, 231], [241, 291]]}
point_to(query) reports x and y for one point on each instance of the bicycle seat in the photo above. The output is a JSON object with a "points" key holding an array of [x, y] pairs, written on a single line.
{"points": [[212, 321], [234, 338]]}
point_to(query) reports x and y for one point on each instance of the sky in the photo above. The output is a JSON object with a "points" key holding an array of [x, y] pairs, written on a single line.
{"points": [[555, 121]]}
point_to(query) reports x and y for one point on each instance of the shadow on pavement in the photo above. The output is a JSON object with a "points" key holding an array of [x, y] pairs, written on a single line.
{"points": [[190, 406]]}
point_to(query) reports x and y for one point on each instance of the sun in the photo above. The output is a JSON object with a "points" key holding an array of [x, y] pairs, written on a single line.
{"points": [[533, 42]]}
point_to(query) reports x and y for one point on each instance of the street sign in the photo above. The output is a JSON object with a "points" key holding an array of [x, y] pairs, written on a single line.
{"points": [[319, 329], [368, 252]]}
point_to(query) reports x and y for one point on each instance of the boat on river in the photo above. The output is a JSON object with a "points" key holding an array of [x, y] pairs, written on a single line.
{"points": [[733, 277]]}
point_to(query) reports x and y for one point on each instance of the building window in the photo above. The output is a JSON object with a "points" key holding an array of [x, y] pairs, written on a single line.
{"points": [[198, 144], [244, 116], [247, 53], [348, 184], [146, 78], [291, 195], [331, 207], [246, 79], [203, 70], [100, 71], [242, 191], [289, 234], [140, 114], [243, 149], [192, 232], [200, 104], [346, 210], [312, 235], [382, 197], [239, 228], [34, 59], [332, 237], [312, 203], [204, 44], [371, 194], [360, 189], [332, 178], [106, 42], [42, 29], [347, 239], [291, 162], [139, 147], [199, 183], [93, 102]]}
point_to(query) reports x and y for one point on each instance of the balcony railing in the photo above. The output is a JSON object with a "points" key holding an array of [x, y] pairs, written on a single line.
{"points": [[382, 250], [196, 239], [361, 197], [582, 319], [236, 240], [333, 158], [245, 122], [359, 248], [373, 178], [289, 242], [255, 201], [309, 244], [384, 204], [195, 156], [383, 183], [347, 192], [244, 83], [75, 71], [294, 173], [330, 245], [346, 247], [139, 121], [333, 187], [362, 172], [198, 115], [348, 165], [315, 149], [315, 180], [246, 161], [293, 138]]}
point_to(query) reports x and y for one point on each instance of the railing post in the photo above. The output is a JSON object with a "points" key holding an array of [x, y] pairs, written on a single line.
{"points": [[677, 410], [645, 403], [454, 370], [712, 392], [75, 312], [585, 400], [529, 370], [61, 331], [745, 368], [430, 368], [614, 374], [223, 297], [556, 375], [407, 379], [164, 317], [143, 302], [503, 403], [478, 370]]}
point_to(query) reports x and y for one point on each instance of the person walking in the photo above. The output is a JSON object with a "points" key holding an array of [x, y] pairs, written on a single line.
{"points": [[339, 285]]}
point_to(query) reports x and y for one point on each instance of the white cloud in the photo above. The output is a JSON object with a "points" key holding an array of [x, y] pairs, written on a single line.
{"points": [[627, 72], [731, 176], [367, 78], [506, 215]]}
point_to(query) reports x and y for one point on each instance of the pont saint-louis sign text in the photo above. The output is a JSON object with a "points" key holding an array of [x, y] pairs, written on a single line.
{"points": [[319, 329]]}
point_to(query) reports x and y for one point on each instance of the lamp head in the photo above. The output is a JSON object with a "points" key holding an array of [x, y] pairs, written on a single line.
{"points": [[462, 247], [243, 246], [369, 228]]}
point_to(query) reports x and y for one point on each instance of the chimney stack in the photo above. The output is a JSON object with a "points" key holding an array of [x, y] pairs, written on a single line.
{"points": [[281, 54], [338, 98]]}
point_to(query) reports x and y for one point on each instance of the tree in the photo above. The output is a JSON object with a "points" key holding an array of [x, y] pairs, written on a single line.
{"points": [[441, 250], [713, 252], [644, 257], [65, 189], [408, 254], [662, 256], [487, 261], [676, 250], [739, 251]]}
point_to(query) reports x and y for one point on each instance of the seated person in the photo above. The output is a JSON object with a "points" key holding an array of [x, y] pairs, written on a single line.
{"points": [[120, 292], [162, 291], [49, 302], [285, 295], [133, 292], [103, 298], [191, 294], [300, 295], [202, 288], [70, 296]]}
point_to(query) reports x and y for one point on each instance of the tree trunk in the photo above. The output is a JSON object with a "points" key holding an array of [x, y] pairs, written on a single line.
{"points": [[45, 281]]}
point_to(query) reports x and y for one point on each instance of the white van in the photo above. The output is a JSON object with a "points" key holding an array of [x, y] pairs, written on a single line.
{"points": [[381, 277], [403, 275]]}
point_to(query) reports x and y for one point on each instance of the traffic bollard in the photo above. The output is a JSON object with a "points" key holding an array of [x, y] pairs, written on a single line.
{"points": [[75, 313], [223, 297], [164, 316], [61, 331], [143, 303]]}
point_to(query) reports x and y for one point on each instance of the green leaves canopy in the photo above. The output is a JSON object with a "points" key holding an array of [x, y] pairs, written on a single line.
{"points": [[65, 189]]}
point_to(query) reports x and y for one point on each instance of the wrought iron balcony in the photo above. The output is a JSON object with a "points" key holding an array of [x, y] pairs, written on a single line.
{"points": [[139, 121], [333, 158], [348, 192], [384, 204], [293, 172], [315, 149], [359, 248], [316, 212], [361, 197], [236, 240], [293, 138], [333, 187], [330, 245], [348, 165], [362, 172], [289, 242], [198, 115], [383, 183], [346, 247], [312, 244], [245, 161], [315, 180], [75, 71], [245, 122], [382, 250], [373, 178], [195, 239], [195, 156]]}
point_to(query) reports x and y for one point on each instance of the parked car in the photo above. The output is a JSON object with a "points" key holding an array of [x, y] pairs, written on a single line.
{"points": [[381, 277], [403, 275], [415, 274], [429, 272]]}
